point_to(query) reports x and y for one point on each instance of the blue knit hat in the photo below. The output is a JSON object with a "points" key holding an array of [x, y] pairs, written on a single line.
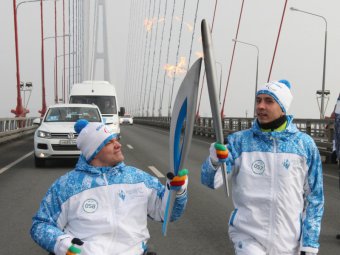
{"points": [[93, 136], [280, 91]]}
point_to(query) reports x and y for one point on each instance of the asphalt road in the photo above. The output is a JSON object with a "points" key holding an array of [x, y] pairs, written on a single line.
{"points": [[201, 230]]}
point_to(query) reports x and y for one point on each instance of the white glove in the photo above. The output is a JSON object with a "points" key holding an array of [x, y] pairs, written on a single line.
{"points": [[213, 156], [179, 182]]}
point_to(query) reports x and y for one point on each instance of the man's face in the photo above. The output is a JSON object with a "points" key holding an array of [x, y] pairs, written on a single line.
{"points": [[267, 109], [110, 154]]}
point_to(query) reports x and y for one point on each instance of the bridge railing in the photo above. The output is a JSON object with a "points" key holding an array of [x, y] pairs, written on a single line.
{"points": [[11, 128], [322, 131]]}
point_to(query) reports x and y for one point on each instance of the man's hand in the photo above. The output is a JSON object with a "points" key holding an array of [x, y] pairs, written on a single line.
{"points": [[178, 182], [218, 153], [75, 247]]}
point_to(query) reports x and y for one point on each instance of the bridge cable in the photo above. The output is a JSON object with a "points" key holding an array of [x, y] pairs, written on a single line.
{"points": [[167, 56], [193, 34], [128, 62], [153, 63], [160, 53], [93, 41], [141, 90], [232, 60], [179, 43], [200, 96], [277, 40], [148, 61], [135, 35], [139, 60], [156, 83]]}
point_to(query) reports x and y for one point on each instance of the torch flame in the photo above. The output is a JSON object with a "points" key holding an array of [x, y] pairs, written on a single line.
{"points": [[199, 54], [148, 23], [173, 70]]}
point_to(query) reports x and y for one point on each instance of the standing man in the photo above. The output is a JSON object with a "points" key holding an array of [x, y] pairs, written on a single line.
{"points": [[337, 136], [337, 128], [277, 185], [102, 206]]}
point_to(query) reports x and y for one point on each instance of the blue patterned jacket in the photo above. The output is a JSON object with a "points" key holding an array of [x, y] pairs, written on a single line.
{"points": [[277, 188], [106, 207]]}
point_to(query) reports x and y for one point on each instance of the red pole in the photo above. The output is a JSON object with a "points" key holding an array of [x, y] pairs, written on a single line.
{"points": [[64, 50], [19, 111], [231, 61], [43, 97], [56, 54], [277, 40]]}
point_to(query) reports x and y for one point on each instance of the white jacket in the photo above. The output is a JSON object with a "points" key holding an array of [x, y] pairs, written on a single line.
{"points": [[277, 188], [106, 207]]}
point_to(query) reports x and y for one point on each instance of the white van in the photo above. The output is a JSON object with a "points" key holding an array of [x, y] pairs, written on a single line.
{"points": [[101, 93]]}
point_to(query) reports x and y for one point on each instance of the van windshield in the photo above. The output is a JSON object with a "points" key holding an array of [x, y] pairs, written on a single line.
{"points": [[106, 104]]}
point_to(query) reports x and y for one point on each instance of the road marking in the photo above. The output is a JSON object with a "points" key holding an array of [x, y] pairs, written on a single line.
{"points": [[331, 176], [129, 146], [15, 162], [156, 172]]}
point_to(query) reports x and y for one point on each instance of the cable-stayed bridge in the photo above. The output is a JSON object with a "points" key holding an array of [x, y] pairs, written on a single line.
{"points": [[163, 40]]}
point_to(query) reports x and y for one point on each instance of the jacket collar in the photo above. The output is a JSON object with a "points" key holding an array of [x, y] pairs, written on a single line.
{"points": [[83, 166], [290, 129]]}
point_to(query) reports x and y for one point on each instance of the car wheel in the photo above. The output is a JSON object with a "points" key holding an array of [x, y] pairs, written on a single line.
{"points": [[39, 162]]}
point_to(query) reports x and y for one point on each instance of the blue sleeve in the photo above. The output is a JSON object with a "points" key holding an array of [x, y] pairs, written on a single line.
{"points": [[179, 206], [314, 201], [158, 198], [212, 177], [44, 230], [208, 173]]}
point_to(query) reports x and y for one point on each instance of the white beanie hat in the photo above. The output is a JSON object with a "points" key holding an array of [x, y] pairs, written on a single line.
{"points": [[93, 136], [280, 91]]}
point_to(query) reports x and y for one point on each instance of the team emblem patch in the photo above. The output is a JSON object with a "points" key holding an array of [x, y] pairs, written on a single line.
{"points": [[286, 164], [90, 206], [122, 195], [258, 167]]}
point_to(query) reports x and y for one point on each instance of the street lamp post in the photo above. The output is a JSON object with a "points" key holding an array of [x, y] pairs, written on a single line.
{"points": [[43, 110], [257, 68], [322, 110], [56, 73], [32, 1], [26, 87], [55, 81]]}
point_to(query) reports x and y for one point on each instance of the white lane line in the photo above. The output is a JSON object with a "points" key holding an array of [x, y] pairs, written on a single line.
{"points": [[331, 176], [129, 146], [156, 172], [15, 162]]}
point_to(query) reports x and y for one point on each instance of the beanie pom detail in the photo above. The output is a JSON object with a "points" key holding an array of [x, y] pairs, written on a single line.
{"points": [[80, 124], [280, 91], [285, 82]]}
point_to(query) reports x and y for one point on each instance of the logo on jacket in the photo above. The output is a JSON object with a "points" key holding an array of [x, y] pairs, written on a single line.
{"points": [[286, 164], [122, 195], [90, 206], [258, 167]]}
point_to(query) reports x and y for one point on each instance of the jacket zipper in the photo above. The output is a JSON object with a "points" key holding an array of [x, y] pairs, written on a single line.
{"points": [[111, 214], [274, 192]]}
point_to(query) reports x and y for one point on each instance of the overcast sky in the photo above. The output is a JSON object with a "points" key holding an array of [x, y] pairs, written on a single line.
{"points": [[299, 57]]}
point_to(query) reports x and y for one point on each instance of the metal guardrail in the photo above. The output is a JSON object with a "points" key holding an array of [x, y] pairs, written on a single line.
{"points": [[322, 131], [11, 128]]}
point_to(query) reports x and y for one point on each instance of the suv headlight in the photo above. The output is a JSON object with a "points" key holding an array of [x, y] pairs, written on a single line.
{"points": [[44, 134]]}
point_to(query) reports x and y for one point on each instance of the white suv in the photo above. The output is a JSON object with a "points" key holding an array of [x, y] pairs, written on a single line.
{"points": [[55, 137]]}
